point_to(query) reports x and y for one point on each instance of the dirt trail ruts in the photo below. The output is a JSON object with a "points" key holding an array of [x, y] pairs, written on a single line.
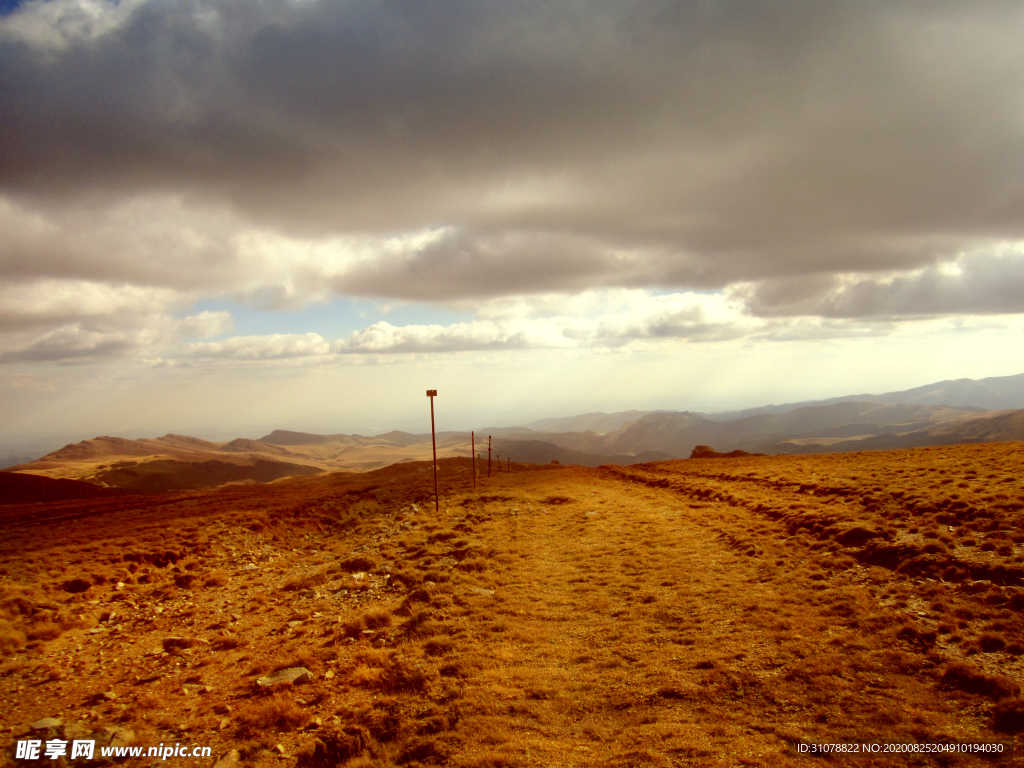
{"points": [[629, 631]]}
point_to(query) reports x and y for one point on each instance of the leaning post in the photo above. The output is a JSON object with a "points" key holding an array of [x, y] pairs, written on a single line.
{"points": [[472, 450]]}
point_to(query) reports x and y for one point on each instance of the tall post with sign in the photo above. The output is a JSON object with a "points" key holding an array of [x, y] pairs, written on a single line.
{"points": [[488, 455], [432, 393]]}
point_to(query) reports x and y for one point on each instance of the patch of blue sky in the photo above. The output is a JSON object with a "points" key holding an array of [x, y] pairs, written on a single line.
{"points": [[7, 6], [332, 320]]}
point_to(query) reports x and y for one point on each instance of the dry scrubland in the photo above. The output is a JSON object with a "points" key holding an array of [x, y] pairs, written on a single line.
{"points": [[681, 613]]}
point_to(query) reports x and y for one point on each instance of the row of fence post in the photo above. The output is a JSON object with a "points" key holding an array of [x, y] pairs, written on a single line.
{"points": [[432, 393]]}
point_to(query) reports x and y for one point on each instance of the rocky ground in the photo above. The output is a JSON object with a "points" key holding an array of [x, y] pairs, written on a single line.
{"points": [[715, 612]]}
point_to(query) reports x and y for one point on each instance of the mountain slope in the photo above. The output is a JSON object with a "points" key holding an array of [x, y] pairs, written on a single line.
{"points": [[679, 433], [541, 452], [18, 488], [599, 422]]}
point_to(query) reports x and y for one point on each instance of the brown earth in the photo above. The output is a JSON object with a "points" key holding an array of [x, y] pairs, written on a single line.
{"points": [[677, 613], [707, 452]]}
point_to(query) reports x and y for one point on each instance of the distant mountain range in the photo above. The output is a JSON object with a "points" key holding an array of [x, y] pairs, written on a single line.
{"points": [[946, 412], [996, 393]]}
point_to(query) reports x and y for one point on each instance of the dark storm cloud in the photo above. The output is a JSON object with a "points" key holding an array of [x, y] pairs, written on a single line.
{"points": [[560, 146], [985, 284]]}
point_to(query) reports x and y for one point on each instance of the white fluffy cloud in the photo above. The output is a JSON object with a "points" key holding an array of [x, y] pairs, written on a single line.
{"points": [[277, 346], [636, 319]]}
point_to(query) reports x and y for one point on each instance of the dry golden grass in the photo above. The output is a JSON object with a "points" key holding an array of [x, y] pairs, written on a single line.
{"points": [[279, 712], [681, 613]]}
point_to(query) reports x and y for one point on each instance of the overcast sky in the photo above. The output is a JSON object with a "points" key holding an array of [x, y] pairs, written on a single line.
{"points": [[224, 215]]}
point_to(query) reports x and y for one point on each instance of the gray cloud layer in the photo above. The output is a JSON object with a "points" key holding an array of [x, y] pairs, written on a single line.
{"points": [[819, 158]]}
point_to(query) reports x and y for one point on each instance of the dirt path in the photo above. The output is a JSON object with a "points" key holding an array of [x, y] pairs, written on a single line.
{"points": [[628, 631]]}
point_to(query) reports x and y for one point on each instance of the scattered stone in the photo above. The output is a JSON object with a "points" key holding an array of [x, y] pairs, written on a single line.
{"points": [[195, 688], [228, 759], [46, 722], [293, 675], [108, 696], [480, 591], [236, 617], [222, 709], [171, 644], [294, 624], [329, 674], [224, 723], [250, 567]]}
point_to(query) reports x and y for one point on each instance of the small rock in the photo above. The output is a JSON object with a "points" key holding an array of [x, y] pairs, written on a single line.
{"points": [[250, 567], [46, 722], [293, 675], [222, 709], [114, 737], [236, 617], [228, 759], [479, 591], [279, 749], [73, 731], [108, 696], [171, 644], [224, 723], [294, 624], [194, 688], [329, 674]]}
